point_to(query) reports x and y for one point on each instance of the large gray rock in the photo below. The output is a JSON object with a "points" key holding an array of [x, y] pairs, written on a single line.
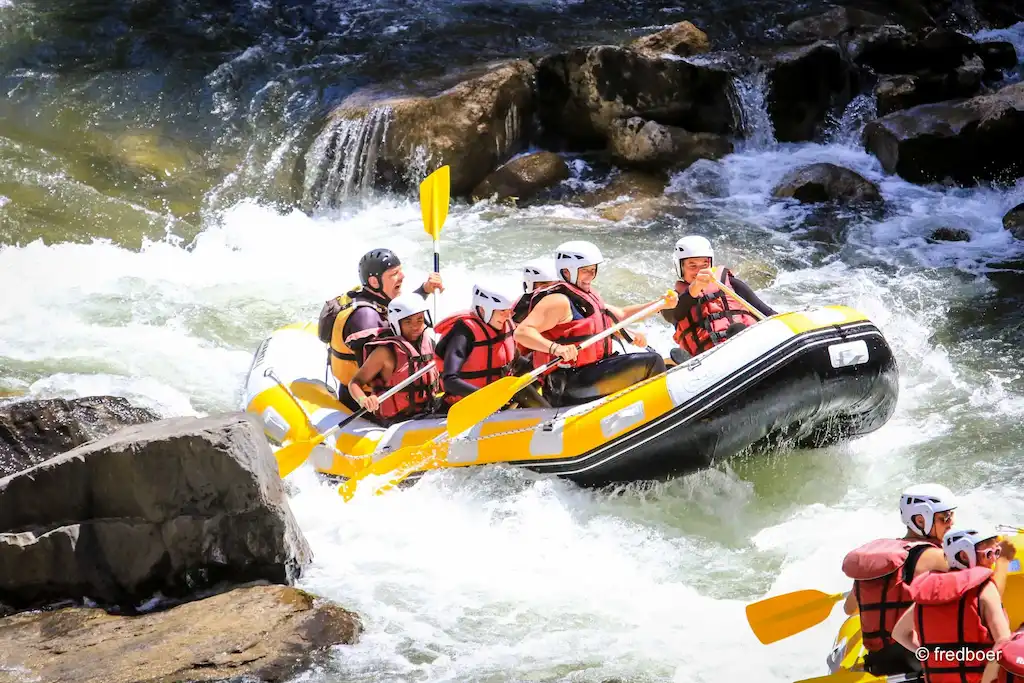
{"points": [[256, 633], [473, 127], [32, 431], [1014, 221], [804, 85], [826, 182], [682, 39], [904, 91], [582, 92], [172, 507], [959, 141]]}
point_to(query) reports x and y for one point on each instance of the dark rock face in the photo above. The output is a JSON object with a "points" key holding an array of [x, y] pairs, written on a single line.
{"points": [[173, 506], [581, 92], [804, 85], [523, 177], [635, 143], [32, 431], [949, 235], [1014, 221], [962, 142]]}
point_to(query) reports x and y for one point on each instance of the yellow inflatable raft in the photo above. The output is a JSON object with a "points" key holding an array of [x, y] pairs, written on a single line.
{"points": [[807, 378]]}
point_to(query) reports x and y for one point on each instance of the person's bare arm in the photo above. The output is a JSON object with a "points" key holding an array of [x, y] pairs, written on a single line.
{"points": [[550, 311], [931, 560], [381, 361], [995, 620], [850, 605], [903, 632]]}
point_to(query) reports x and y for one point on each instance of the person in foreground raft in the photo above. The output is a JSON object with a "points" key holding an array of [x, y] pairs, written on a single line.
{"points": [[345, 321], [882, 571], [392, 356], [569, 312], [476, 348], [958, 616], [706, 315]]}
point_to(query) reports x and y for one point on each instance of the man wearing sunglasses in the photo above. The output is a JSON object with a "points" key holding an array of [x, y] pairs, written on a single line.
{"points": [[883, 570], [958, 616]]}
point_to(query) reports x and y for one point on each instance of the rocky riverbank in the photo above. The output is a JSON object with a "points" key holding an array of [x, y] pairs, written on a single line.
{"points": [[947, 110], [165, 546]]}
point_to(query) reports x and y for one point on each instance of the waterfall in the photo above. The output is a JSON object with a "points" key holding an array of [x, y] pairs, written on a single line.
{"points": [[755, 123], [341, 163]]}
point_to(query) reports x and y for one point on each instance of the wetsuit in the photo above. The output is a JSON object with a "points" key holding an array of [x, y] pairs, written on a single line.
{"points": [[687, 302], [457, 345]]}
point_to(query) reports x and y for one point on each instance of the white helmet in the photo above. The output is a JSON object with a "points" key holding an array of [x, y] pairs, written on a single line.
{"points": [[691, 246], [965, 540], [925, 500], [539, 270], [574, 255], [491, 299], [403, 306]]}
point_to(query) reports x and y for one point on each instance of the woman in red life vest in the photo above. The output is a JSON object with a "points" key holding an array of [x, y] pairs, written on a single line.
{"points": [[392, 357], [958, 616], [476, 347], [569, 312], [705, 315], [883, 570]]}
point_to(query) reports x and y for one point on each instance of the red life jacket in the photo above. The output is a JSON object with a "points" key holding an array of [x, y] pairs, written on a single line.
{"points": [[491, 353], [1011, 659], [947, 617], [882, 571], [596, 319], [707, 321], [415, 398]]}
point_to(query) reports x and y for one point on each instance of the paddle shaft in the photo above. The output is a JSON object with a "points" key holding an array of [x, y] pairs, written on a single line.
{"points": [[269, 372], [383, 397], [728, 290], [653, 308]]}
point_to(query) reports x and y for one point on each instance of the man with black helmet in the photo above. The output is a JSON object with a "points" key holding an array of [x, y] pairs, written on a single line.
{"points": [[349, 321]]}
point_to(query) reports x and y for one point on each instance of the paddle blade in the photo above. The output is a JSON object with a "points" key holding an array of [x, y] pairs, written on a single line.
{"points": [[399, 464], [435, 192], [483, 403], [291, 457], [785, 615]]}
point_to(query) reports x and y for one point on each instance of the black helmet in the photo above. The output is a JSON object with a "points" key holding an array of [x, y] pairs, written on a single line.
{"points": [[375, 263]]}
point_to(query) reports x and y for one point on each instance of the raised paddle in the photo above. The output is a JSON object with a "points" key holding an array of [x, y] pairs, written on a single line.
{"points": [[470, 411], [435, 194], [293, 455], [782, 616]]}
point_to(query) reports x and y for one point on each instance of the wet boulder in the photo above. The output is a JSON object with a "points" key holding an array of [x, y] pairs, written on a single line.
{"points": [[1014, 221], [804, 84], [682, 40], [582, 92], [949, 235], [893, 49], [170, 507], [636, 143], [523, 177], [632, 195], [33, 431], [256, 633], [473, 127], [962, 142], [833, 24], [903, 91], [826, 182]]}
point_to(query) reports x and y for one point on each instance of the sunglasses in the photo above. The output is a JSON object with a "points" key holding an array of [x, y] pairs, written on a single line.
{"points": [[991, 554], [945, 517]]}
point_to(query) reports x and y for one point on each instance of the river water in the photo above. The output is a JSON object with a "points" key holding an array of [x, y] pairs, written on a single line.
{"points": [[147, 247]]}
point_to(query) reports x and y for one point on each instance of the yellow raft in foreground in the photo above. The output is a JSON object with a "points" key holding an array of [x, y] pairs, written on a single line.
{"points": [[847, 655]]}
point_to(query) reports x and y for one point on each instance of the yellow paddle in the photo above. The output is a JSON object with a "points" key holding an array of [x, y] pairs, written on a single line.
{"points": [[782, 616], [472, 410], [293, 455], [435, 194]]}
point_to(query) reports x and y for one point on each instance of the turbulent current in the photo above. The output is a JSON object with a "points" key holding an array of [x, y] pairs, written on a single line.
{"points": [[160, 290]]}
